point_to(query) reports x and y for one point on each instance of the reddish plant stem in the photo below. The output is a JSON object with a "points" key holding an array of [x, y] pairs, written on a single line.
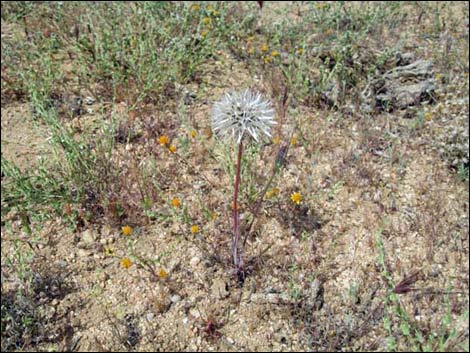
{"points": [[237, 257]]}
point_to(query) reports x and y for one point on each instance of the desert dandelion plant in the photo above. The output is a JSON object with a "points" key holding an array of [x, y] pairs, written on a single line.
{"points": [[243, 113], [240, 115]]}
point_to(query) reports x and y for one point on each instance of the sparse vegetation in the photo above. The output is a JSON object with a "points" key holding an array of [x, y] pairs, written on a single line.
{"points": [[351, 220]]}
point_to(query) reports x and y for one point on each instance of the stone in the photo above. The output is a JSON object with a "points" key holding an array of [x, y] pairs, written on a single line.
{"points": [[175, 298], [83, 253], [194, 261], [219, 288], [89, 236], [401, 87]]}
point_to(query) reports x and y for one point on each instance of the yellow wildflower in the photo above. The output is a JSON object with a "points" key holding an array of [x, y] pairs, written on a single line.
{"points": [[164, 140], [195, 229], [214, 215], [438, 77], [296, 197], [272, 193], [267, 60], [193, 133], [127, 230], [329, 32], [275, 53], [207, 20], [204, 34], [196, 7], [428, 116], [163, 274], [300, 51], [264, 48], [126, 262], [172, 148], [176, 202], [216, 13], [250, 39], [109, 251], [209, 7], [276, 140], [294, 141]]}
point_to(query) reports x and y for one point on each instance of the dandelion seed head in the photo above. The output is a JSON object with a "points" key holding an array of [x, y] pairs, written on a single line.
{"points": [[243, 113]]}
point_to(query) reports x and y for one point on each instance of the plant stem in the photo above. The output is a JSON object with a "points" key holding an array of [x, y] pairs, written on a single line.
{"points": [[237, 257]]}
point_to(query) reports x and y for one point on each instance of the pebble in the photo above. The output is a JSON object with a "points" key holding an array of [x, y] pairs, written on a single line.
{"points": [[175, 298], [150, 316], [62, 263], [83, 253], [194, 261], [219, 288], [89, 236], [89, 100]]}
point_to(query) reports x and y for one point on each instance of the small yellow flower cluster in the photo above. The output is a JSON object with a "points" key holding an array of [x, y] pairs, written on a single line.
{"points": [[195, 229], [269, 57], [297, 197], [176, 202], [163, 274], [126, 262], [272, 193], [164, 140], [127, 230]]}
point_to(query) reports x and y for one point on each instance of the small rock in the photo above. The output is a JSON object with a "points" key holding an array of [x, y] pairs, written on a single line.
{"points": [[194, 261], [55, 302], [89, 100], [62, 264], [175, 298], [89, 236], [81, 245], [150, 316], [83, 253], [219, 288], [106, 230]]}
